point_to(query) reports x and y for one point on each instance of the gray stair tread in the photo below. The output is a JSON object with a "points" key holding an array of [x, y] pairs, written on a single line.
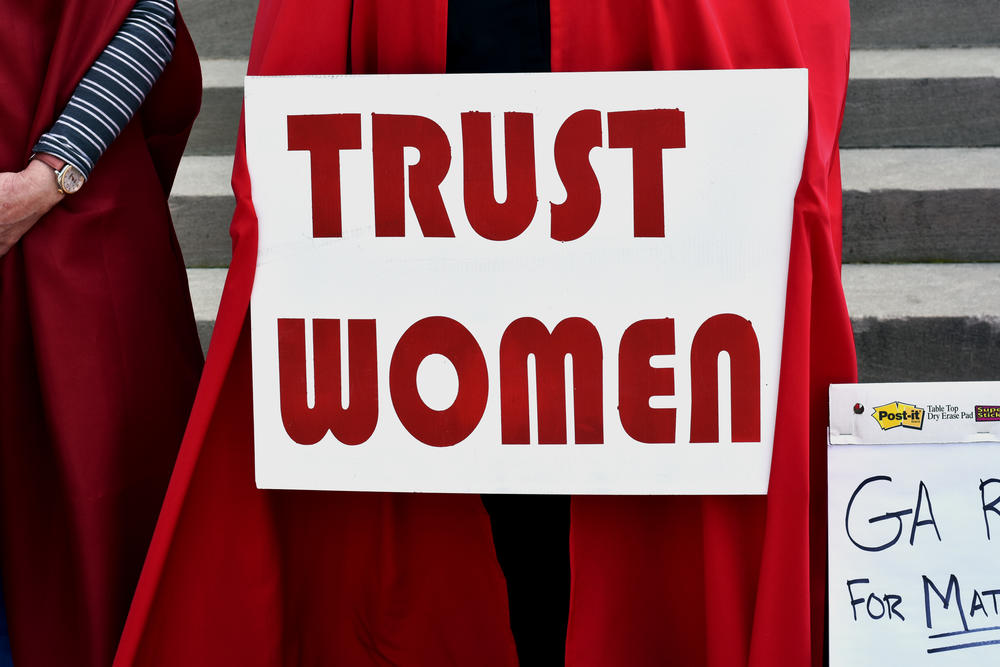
{"points": [[202, 228], [229, 72], [922, 226], [203, 176], [220, 28], [215, 129], [927, 349], [920, 168], [206, 291], [890, 291], [924, 23], [925, 63], [922, 112]]}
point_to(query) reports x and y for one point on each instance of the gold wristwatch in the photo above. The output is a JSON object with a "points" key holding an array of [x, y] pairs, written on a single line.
{"points": [[69, 179]]}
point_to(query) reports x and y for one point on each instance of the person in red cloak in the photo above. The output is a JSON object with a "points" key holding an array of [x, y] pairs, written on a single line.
{"points": [[99, 354], [240, 576]]}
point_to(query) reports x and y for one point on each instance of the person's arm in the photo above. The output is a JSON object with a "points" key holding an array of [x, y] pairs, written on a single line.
{"points": [[102, 104]]}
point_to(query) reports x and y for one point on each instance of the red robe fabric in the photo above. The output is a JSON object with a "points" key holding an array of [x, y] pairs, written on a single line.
{"points": [[248, 577], [99, 353]]}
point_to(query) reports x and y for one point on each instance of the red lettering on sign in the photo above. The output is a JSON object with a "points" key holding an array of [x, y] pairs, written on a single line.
{"points": [[734, 335], [638, 381], [390, 135], [578, 135], [324, 136], [307, 425], [575, 337], [445, 336], [491, 219], [647, 132]]}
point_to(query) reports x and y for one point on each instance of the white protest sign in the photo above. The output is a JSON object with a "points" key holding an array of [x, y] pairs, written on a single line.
{"points": [[532, 283], [914, 524]]}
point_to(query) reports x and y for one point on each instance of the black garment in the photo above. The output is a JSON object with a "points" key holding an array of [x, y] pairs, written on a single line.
{"points": [[531, 533], [498, 36]]}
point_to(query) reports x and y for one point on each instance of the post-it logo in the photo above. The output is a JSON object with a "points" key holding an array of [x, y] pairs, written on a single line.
{"points": [[892, 415]]}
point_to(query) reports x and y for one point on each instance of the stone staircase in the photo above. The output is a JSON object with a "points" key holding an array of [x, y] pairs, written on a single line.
{"points": [[921, 170]]}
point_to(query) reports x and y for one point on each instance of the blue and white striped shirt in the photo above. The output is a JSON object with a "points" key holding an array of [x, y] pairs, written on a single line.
{"points": [[114, 87]]}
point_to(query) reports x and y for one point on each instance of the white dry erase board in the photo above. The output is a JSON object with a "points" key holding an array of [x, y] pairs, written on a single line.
{"points": [[914, 524], [533, 283]]}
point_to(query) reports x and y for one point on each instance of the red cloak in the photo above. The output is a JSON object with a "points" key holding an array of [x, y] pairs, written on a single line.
{"points": [[238, 576], [99, 354]]}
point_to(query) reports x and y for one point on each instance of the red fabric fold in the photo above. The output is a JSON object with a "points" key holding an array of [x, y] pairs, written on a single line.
{"points": [[99, 352]]}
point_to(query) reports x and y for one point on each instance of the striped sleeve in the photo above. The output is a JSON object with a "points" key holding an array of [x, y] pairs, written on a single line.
{"points": [[114, 87]]}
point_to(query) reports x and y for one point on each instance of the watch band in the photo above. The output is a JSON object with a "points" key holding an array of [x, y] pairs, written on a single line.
{"points": [[69, 179], [50, 160]]}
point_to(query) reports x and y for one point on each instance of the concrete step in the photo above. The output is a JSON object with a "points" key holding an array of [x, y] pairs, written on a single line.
{"points": [[871, 169], [202, 227], [927, 349], [919, 323], [203, 176], [215, 129], [917, 98], [220, 28], [900, 205], [229, 72], [922, 112], [883, 24], [206, 292], [922, 290], [922, 226], [966, 63], [925, 322], [920, 205]]}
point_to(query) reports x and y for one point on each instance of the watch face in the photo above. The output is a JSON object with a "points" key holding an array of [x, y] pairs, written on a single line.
{"points": [[70, 179]]}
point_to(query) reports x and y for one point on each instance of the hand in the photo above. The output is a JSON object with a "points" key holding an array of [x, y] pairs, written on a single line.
{"points": [[25, 196]]}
